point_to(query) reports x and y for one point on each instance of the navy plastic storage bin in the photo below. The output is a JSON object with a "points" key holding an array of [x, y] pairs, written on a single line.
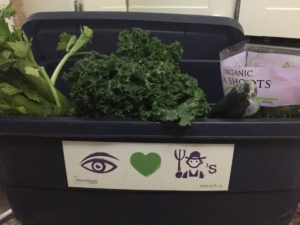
{"points": [[264, 183]]}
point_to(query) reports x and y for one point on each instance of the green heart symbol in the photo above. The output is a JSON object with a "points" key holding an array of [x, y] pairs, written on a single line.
{"points": [[145, 164]]}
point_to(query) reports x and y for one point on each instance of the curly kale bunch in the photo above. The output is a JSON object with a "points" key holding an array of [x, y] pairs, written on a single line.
{"points": [[141, 79]]}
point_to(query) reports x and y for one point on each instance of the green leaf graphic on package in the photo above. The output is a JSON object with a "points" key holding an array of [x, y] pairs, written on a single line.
{"points": [[145, 164]]}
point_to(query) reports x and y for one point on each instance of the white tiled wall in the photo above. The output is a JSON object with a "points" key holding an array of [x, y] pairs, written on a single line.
{"points": [[32, 6], [203, 7], [104, 5], [4, 2], [274, 18], [277, 18], [200, 7]]}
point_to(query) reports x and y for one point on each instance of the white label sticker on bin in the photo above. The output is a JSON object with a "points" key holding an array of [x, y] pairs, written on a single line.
{"points": [[148, 166]]}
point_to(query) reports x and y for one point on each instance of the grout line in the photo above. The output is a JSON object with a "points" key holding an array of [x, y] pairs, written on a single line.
{"points": [[237, 10], [127, 5]]}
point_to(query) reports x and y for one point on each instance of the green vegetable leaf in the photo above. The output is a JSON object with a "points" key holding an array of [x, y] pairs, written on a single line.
{"points": [[6, 54], [4, 32], [72, 45], [20, 48], [66, 41], [9, 89], [25, 86], [84, 38], [18, 35], [142, 79], [21, 110], [32, 71], [6, 109], [21, 65], [33, 95], [139, 45], [5, 13], [5, 63], [168, 115], [63, 41], [187, 112], [8, 11]]}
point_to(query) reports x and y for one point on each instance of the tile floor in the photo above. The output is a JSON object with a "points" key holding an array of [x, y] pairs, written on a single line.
{"points": [[296, 220]]}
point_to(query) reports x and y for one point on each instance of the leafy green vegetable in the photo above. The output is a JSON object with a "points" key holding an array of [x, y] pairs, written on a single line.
{"points": [[71, 44], [8, 11], [25, 87], [142, 79], [139, 46], [18, 96]]}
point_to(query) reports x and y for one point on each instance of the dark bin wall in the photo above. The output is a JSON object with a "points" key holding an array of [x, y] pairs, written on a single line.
{"points": [[264, 189], [81, 207], [263, 165]]}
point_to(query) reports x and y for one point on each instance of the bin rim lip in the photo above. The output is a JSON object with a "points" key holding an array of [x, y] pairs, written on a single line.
{"points": [[136, 120], [134, 129], [142, 16]]}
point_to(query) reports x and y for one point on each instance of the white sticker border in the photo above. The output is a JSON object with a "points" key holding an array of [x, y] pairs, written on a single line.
{"points": [[130, 179]]}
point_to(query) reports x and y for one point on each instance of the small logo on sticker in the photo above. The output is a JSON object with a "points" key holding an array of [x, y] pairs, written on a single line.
{"points": [[194, 164], [77, 180], [99, 162]]}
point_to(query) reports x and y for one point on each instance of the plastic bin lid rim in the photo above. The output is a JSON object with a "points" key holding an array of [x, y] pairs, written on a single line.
{"points": [[154, 17]]}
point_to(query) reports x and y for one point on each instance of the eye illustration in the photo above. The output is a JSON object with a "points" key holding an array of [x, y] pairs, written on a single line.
{"points": [[99, 162]]}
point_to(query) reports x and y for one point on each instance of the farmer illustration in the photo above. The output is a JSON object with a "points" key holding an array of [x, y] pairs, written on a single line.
{"points": [[194, 161]]}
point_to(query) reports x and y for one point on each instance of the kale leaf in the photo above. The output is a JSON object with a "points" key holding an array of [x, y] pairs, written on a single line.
{"points": [[141, 79]]}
